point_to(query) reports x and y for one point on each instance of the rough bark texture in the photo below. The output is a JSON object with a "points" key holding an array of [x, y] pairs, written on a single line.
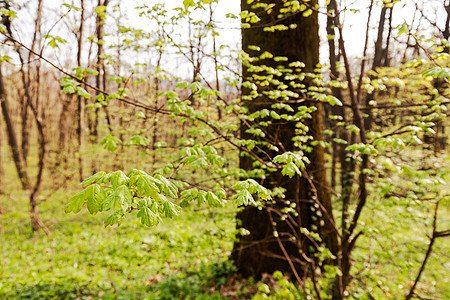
{"points": [[261, 251]]}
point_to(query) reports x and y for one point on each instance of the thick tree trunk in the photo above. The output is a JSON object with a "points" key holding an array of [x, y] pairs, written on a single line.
{"points": [[263, 251]]}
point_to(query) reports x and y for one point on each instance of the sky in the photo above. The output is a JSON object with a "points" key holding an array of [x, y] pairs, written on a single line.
{"points": [[354, 22]]}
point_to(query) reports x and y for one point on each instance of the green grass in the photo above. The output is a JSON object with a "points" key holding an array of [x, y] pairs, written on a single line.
{"points": [[82, 258], [393, 247], [187, 258]]}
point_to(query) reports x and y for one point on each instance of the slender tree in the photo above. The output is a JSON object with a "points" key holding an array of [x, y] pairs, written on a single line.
{"points": [[381, 52], [80, 100], [12, 138]]}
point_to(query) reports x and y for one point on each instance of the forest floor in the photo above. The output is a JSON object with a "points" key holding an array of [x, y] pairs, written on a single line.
{"points": [[188, 257]]}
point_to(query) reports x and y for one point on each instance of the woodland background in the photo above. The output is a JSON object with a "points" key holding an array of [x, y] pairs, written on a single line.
{"points": [[100, 86]]}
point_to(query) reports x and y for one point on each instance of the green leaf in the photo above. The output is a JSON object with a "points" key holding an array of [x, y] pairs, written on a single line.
{"points": [[94, 195], [221, 194], [403, 29], [188, 196], [75, 203], [352, 128], [182, 85], [71, 7], [100, 98], [139, 140], [340, 141], [115, 217], [168, 187], [4, 58], [148, 186], [170, 209], [110, 142], [334, 101], [94, 178], [290, 169], [188, 3], [241, 185], [243, 198], [118, 178], [437, 72], [139, 114], [213, 200], [82, 92], [148, 217], [121, 197], [282, 158], [68, 90], [307, 13], [54, 40]]}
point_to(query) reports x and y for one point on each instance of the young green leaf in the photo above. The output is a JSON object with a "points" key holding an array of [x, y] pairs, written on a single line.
{"points": [[115, 217], [94, 195], [213, 200], [168, 187], [94, 178], [148, 186], [148, 217], [243, 197], [290, 170], [75, 203], [121, 197], [170, 209], [118, 178]]}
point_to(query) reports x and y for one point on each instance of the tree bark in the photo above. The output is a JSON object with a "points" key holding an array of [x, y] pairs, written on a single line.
{"points": [[2, 170], [101, 77], [80, 100], [381, 52], [446, 32], [263, 251], [12, 139]]}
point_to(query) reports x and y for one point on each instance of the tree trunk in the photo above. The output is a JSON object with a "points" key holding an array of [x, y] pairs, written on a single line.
{"points": [[379, 54], [263, 251], [12, 139], [80, 100], [446, 32], [101, 77], [339, 153], [36, 222]]}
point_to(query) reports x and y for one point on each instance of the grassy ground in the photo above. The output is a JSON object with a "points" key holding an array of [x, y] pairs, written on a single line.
{"points": [[393, 247], [188, 257], [82, 258]]}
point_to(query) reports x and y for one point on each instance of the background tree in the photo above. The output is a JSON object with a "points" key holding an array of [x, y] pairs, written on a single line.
{"points": [[262, 250], [387, 185]]}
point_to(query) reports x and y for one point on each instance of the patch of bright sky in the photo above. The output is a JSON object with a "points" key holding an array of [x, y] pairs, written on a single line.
{"points": [[355, 20]]}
